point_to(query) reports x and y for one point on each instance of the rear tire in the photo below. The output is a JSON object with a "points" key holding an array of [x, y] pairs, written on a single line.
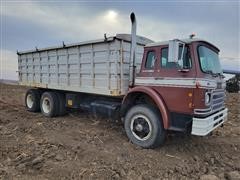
{"points": [[62, 104], [32, 100], [49, 104], [144, 127]]}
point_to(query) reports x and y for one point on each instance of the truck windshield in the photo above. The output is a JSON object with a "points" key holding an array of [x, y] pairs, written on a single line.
{"points": [[209, 60]]}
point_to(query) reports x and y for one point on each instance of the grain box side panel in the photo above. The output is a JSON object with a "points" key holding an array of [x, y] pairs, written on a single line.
{"points": [[91, 68]]}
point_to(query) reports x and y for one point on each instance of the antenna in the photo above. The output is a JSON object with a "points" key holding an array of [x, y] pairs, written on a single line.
{"points": [[105, 37], [63, 44]]}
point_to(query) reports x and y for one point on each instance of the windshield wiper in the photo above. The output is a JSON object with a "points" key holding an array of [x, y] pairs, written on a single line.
{"points": [[210, 72], [221, 75]]}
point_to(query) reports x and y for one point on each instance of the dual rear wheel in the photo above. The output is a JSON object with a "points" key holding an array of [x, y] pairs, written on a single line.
{"points": [[32, 100], [50, 103]]}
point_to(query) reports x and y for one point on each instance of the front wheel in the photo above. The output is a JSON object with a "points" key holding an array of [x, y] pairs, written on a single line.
{"points": [[144, 127]]}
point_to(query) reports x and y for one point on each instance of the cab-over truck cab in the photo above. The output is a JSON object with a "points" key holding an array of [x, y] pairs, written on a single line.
{"points": [[181, 81]]}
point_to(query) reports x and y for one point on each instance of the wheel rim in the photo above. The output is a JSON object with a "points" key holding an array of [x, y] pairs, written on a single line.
{"points": [[29, 101], [141, 127], [46, 105]]}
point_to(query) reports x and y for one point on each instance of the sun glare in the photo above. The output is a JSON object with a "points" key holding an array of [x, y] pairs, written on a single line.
{"points": [[111, 15]]}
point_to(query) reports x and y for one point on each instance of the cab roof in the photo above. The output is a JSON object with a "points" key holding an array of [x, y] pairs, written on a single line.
{"points": [[187, 41]]}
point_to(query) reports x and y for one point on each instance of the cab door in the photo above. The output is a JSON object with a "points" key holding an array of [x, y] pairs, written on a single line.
{"points": [[174, 84]]}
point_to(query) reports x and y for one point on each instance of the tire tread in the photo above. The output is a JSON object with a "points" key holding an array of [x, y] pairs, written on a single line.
{"points": [[153, 112]]}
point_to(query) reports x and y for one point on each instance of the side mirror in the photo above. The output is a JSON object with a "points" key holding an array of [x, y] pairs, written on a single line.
{"points": [[176, 51], [173, 49]]}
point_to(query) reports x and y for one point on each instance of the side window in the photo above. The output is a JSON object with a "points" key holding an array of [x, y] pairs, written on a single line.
{"points": [[150, 62], [186, 58], [187, 62], [164, 59]]}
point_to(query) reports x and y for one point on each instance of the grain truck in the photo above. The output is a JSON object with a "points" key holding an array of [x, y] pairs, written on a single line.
{"points": [[153, 87]]}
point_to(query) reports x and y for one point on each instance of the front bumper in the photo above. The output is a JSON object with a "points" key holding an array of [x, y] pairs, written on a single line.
{"points": [[203, 126]]}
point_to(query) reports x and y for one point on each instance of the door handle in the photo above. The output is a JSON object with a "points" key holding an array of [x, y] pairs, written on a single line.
{"points": [[158, 78]]}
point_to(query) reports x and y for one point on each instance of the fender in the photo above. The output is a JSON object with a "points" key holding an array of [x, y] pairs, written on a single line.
{"points": [[156, 98]]}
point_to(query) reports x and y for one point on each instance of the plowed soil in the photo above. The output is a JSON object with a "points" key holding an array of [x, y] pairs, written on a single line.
{"points": [[79, 146]]}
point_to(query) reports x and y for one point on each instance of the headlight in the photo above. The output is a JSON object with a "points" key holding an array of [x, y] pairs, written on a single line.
{"points": [[207, 98]]}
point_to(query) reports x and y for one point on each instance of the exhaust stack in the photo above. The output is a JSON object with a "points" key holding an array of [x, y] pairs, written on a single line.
{"points": [[132, 66]]}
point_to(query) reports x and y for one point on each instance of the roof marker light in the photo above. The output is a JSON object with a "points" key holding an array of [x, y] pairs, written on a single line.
{"points": [[192, 35]]}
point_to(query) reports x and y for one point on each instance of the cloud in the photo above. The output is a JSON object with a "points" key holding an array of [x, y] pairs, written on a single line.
{"points": [[73, 22], [66, 22], [78, 22], [8, 65], [230, 63]]}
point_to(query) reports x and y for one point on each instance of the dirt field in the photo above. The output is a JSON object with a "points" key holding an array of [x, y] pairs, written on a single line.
{"points": [[77, 146]]}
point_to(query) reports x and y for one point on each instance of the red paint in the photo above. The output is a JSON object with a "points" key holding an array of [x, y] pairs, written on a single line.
{"points": [[156, 98], [175, 99]]}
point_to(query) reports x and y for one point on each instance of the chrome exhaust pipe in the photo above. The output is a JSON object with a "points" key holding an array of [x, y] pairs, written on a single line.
{"points": [[132, 66]]}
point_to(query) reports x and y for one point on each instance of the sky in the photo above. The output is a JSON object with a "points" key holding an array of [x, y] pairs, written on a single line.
{"points": [[28, 24]]}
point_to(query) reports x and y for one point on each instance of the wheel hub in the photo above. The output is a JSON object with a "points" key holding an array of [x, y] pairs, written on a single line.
{"points": [[29, 101], [141, 127], [46, 105]]}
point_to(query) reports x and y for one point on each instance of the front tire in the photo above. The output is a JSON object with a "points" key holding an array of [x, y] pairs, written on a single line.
{"points": [[144, 127], [62, 104]]}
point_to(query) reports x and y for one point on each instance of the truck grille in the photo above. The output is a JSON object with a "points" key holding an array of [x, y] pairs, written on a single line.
{"points": [[217, 103], [218, 97]]}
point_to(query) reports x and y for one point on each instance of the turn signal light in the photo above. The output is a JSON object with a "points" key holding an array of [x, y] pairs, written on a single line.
{"points": [[191, 105]]}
